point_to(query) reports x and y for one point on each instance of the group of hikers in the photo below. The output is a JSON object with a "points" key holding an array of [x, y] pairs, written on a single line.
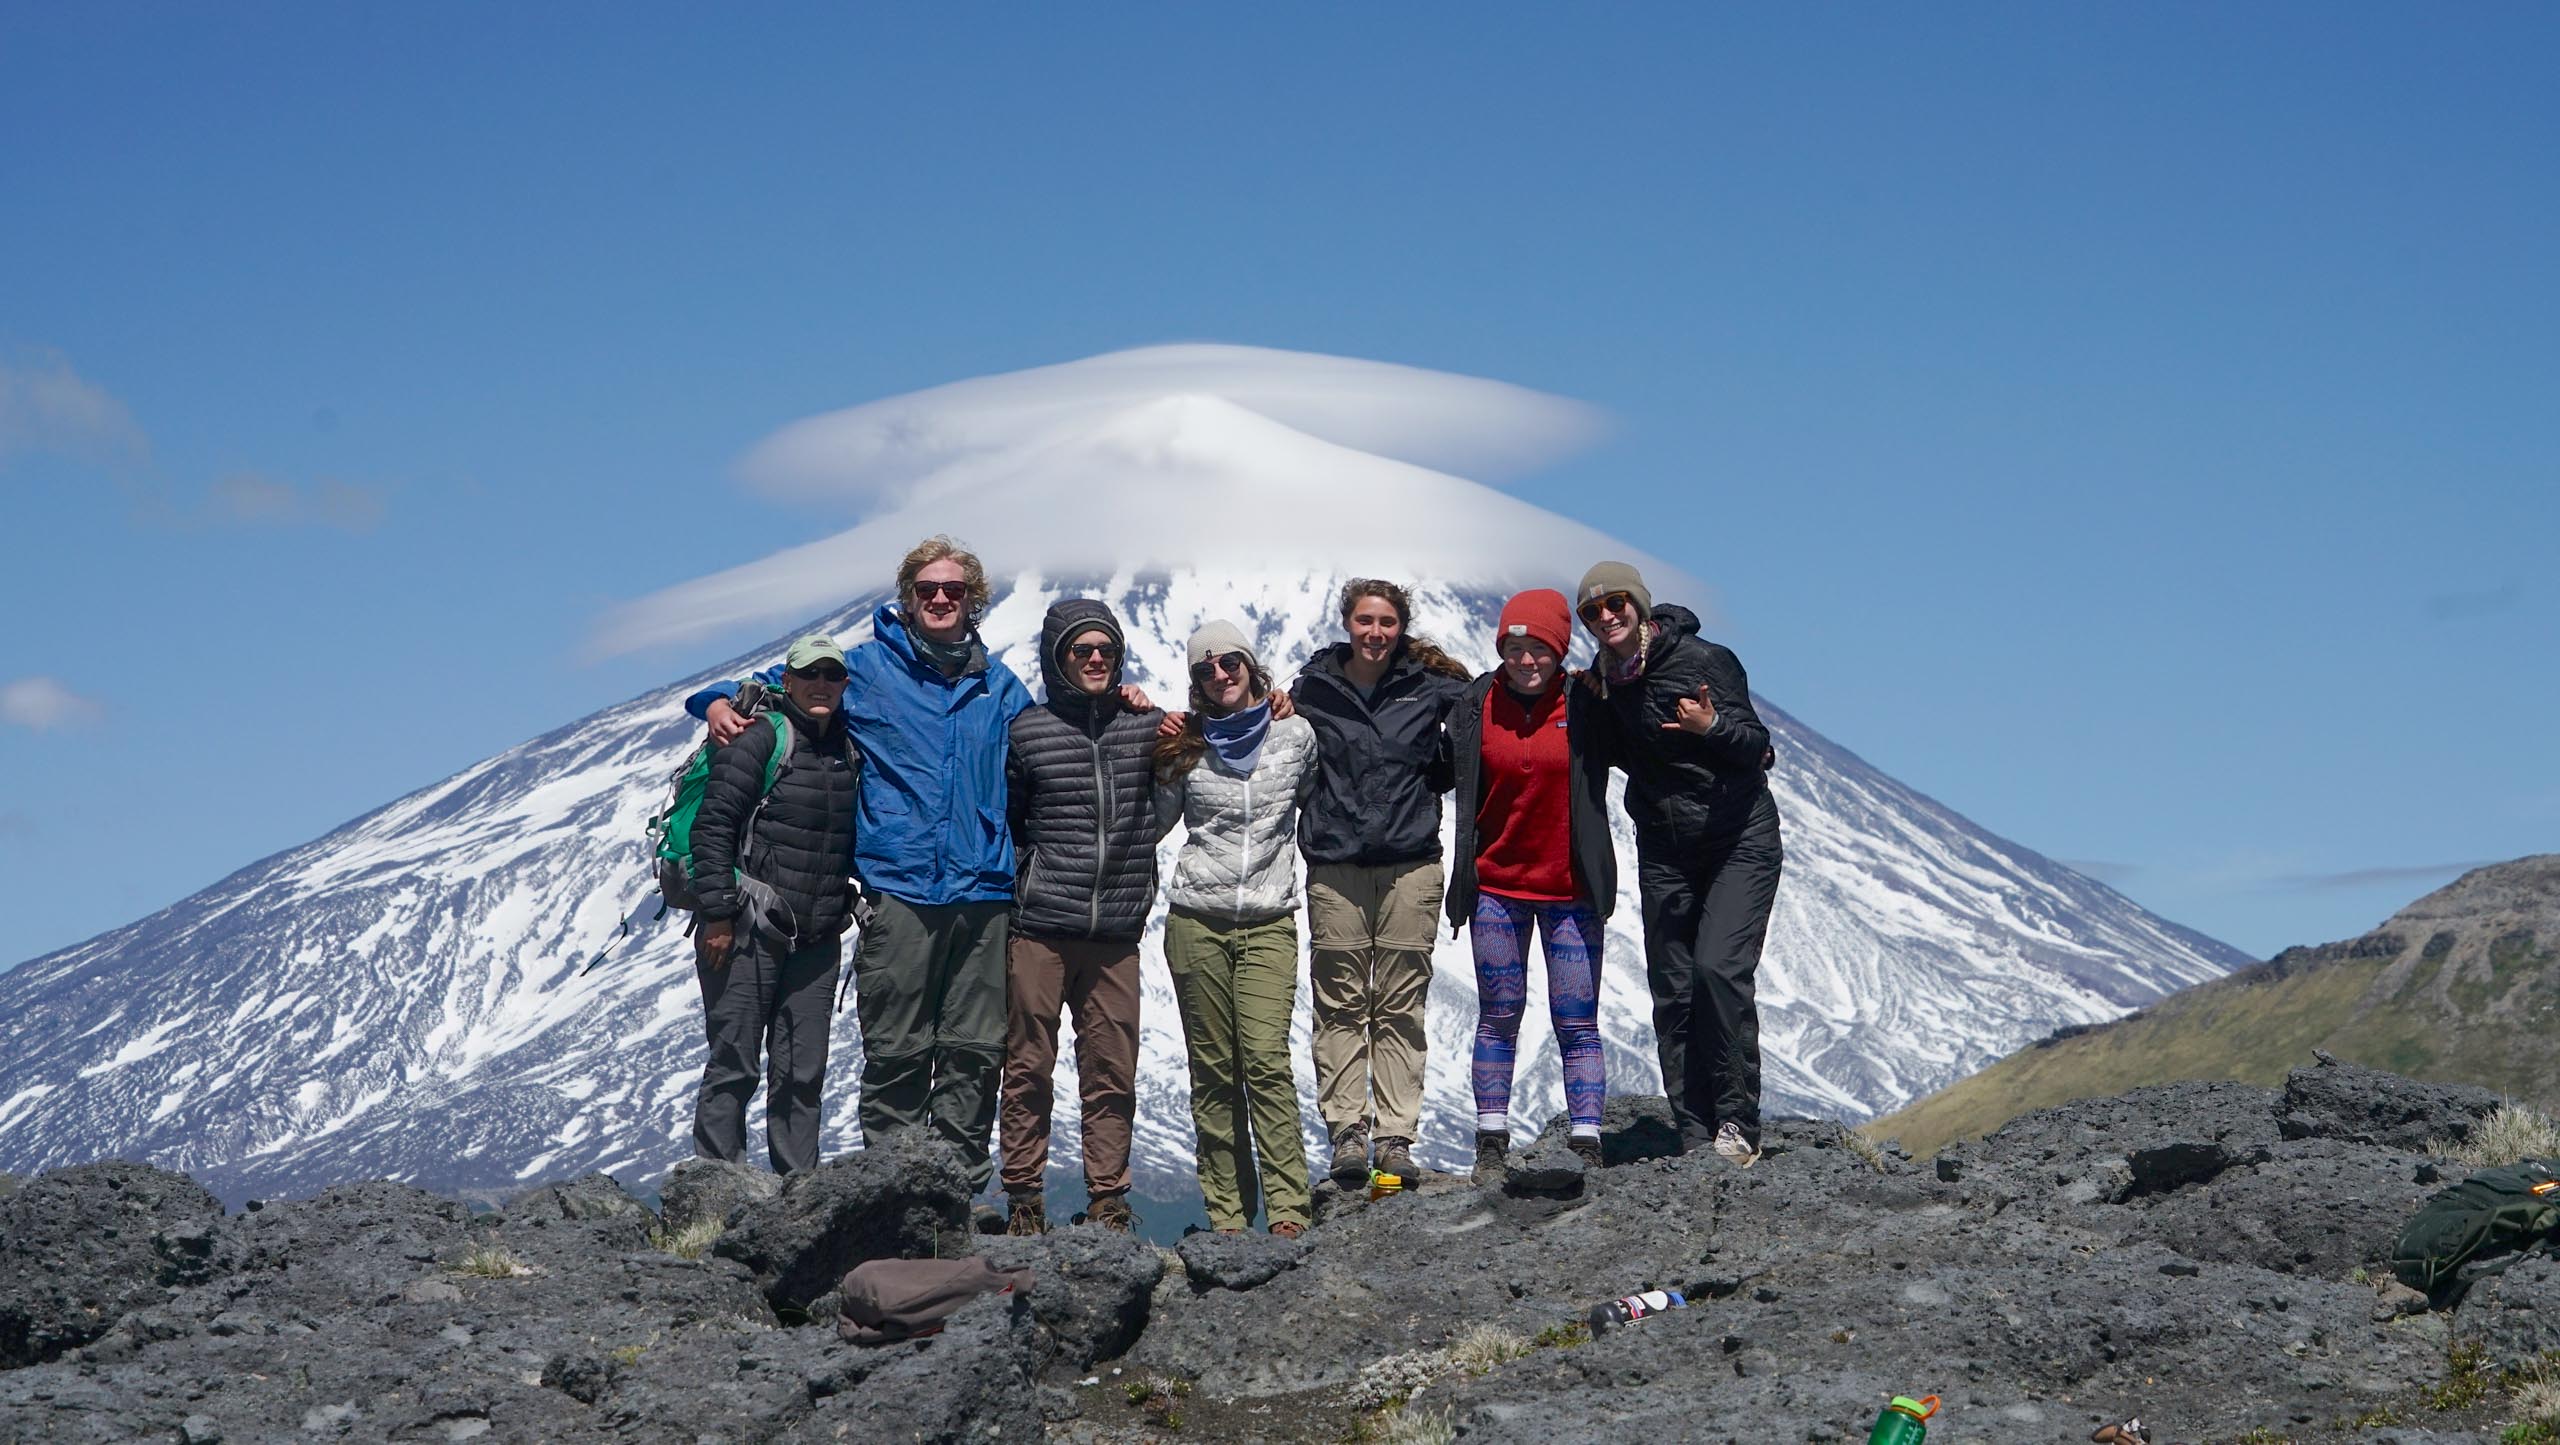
{"points": [[998, 858]]}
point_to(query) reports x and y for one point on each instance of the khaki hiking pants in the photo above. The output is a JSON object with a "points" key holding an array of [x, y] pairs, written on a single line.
{"points": [[1096, 983], [1369, 970], [1237, 983]]}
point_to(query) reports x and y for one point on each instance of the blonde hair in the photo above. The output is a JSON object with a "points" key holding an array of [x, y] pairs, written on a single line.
{"points": [[942, 548]]}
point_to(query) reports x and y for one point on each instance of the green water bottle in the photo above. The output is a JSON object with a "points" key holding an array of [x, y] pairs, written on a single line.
{"points": [[1904, 1422]]}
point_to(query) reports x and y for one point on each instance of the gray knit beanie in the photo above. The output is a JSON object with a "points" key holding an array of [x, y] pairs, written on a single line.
{"points": [[1217, 639], [1607, 577]]}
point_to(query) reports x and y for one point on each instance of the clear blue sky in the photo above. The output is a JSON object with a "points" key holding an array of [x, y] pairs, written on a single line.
{"points": [[2136, 425]]}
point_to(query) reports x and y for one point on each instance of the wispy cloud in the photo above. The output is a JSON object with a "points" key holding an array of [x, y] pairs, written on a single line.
{"points": [[2372, 877], [2102, 870], [1170, 457], [47, 407], [254, 499], [43, 703], [2462, 606]]}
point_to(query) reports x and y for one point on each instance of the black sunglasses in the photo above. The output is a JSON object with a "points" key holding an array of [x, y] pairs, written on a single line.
{"points": [[1107, 651], [1614, 602], [1235, 662], [952, 591], [828, 673]]}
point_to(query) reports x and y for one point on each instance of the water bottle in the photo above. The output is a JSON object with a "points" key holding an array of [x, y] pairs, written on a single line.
{"points": [[1904, 1422], [1634, 1307]]}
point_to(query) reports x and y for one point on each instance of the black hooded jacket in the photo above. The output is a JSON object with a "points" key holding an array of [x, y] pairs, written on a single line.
{"points": [[802, 846], [1382, 761], [1080, 785], [1685, 790], [1595, 854]]}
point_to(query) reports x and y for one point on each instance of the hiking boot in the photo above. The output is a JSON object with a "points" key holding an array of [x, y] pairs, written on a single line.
{"points": [[1111, 1211], [1288, 1229], [1732, 1146], [1350, 1155], [1587, 1146], [1493, 1157], [1029, 1216], [1394, 1156]]}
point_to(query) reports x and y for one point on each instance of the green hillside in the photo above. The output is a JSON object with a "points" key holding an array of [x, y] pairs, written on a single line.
{"points": [[2462, 985]]}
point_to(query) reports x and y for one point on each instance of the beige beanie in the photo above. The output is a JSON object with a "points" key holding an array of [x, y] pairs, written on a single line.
{"points": [[1607, 577]]}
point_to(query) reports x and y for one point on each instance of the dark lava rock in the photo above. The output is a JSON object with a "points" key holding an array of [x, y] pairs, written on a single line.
{"points": [[1545, 1167], [80, 1247], [2516, 1314], [2332, 1100], [904, 1200], [591, 1196], [977, 1380], [1093, 1290], [713, 1189], [1236, 1261]]}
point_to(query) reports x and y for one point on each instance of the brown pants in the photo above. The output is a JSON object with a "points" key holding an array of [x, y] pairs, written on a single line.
{"points": [[1098, 985], [1369, 973]]}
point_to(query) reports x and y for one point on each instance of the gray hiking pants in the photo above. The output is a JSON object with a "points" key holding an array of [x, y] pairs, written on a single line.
{"points": [[928, 983], [778, 1004]]}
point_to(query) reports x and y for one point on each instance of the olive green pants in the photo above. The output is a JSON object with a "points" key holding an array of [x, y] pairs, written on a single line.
{"points": [[928, 984], [1236, 983], [1369, 974]]}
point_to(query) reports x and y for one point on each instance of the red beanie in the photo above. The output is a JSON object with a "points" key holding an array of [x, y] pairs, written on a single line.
{"points": [[1540, 613]]}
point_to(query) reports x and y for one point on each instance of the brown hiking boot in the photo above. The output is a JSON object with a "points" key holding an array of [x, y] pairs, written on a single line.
{"points": [[1587, 1147], [1029, 1216], [1111, 1211], [1350, 1166], [1394, 1156], [1493, 1157]]}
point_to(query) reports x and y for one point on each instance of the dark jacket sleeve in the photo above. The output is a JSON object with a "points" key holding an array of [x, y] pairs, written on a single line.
{"points": [[700, 703], [1017, 807], [729, 797], [1738, 737]]}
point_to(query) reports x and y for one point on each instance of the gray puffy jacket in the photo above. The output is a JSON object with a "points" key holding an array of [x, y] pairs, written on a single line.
{"points": [[1240, 862]]}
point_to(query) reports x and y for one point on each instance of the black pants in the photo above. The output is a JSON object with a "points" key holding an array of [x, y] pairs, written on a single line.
{"points": [[779, 1005], [1705, 916]]}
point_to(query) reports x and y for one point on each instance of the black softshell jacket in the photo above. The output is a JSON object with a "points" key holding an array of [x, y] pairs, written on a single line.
{"points": [[1685, 791], [1382, 761], [1080, 794], [803, 839], [1595, 853]]}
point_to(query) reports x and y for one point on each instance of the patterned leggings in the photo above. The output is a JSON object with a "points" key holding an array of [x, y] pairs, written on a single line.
{"points": [[1500, 934]]}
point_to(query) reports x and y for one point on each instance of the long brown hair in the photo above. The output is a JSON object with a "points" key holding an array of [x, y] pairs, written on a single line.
{"points": [[1423, 650], [1176, 756]]}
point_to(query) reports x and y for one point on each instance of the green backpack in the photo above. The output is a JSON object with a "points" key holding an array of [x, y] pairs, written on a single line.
{"points": [[2477, 1228], [671, 830]]}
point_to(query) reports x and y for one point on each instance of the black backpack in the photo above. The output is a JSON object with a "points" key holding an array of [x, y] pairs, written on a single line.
{"points": [[2477, 1228]]}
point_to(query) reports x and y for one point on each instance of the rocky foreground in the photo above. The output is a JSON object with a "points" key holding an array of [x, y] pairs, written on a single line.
{"points": [[2194, 1254]]}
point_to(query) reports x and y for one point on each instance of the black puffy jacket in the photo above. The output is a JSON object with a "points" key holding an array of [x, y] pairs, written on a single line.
{"points": [[1683, 789], [1595, 853], [1382, 761], [1080, 785], [802, 846]]}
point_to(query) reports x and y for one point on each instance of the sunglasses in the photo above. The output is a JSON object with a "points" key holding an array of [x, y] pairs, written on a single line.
{"points": [[1235, 662], [1107, 651], [828, 673], [1614, 602], [948, 591]]}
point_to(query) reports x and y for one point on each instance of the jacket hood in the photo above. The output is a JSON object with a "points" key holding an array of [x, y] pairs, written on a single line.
{"points": [[889, 629], [1671, 622], [1066, 619]]}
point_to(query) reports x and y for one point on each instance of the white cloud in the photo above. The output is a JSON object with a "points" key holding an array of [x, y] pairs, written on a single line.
{"points": [[45, 406], [1171, 457], [42, 703], [254, 499]]}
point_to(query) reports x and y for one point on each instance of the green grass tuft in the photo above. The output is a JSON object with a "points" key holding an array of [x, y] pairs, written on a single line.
{"points": [[489, 1261], [691, 1241], [2511, 1133]]}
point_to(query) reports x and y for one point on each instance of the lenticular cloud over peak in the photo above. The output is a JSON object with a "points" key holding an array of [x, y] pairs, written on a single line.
{"points": [[1168, 458]]}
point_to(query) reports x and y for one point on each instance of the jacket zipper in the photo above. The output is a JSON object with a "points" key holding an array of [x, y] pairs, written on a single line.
{"points": [[1244, 846], [1101, 835]]}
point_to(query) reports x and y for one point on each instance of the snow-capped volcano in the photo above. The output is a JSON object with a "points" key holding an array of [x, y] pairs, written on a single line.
{"points": [[402, 997]]}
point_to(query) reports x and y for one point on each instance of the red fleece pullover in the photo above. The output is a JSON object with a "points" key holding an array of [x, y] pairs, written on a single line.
{"points": [[1524, 830]]}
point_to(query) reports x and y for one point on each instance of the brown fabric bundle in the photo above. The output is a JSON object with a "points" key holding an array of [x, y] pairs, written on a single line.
{"points": [[887, 1300]]}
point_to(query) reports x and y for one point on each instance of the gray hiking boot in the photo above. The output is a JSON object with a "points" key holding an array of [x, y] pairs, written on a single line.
{"points": [[1493, 1157], [1586, 1146], [1350, 1166], [1394, 1156], [1730, 1145], [1028, 1216]]}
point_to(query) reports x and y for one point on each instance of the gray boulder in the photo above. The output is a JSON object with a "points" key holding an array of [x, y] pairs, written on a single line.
{"points": [[80, 1247], [978, 1380], [712, 1189], [2333, 1100], [1545, 1167], [1236, 1261], [1093, 1290], [2516, 1314], [904, 1200], [590, 1196]]}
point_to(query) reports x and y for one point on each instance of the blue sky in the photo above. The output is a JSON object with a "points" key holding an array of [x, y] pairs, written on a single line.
{"points": [[2133, 425]]}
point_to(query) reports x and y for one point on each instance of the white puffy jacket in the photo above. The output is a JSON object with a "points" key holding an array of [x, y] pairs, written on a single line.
{"points": [[1239, 863]]}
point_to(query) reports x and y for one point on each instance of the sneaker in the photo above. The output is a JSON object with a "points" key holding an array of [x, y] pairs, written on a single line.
{"points": [[1288, 1229], [1395, 1156], [1493, 1156], [1731, 1145], [1029, 1216], [1587, 1147], [1111, 1211], [1350, 1154]]}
